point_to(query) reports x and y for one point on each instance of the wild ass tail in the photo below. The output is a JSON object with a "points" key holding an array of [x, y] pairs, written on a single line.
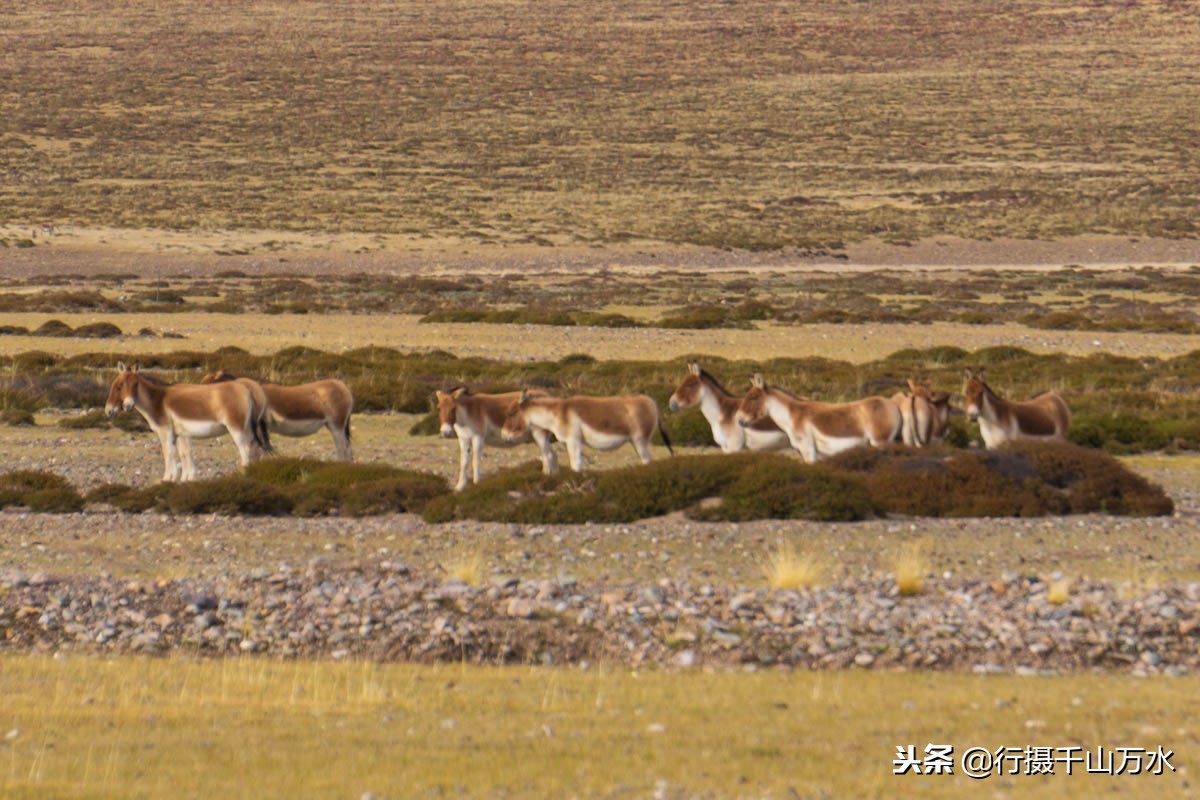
{"points": [[666, 439], [262, 435]]}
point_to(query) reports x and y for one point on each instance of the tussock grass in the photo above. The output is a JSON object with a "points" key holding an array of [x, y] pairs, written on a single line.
{"points": [[466, 564], [911, 567], [789, 567], [1059, 591]]}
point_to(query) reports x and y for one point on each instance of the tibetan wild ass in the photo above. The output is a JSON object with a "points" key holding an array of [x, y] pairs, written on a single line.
{"points": [[720, 407], [181, 412], [305, 409], [926, 414], [478, 418], [1044, 416], [603, 423], [821, 429]]}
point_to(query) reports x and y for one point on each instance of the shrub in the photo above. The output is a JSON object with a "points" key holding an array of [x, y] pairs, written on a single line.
{"points": [[17, 417], [92, 419], [409, 492], [428, 425], [98, 330], [1090, 480], [32, 480], [780, 487], [107, 493], [228, 495], [55, 501], [54, 327], [147, 498], [1117, 433]]}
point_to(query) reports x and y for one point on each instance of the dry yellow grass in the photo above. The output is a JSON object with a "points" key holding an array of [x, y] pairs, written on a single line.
{"points": [[790, 568], [264, 334], [248, 728], [912, 565]]}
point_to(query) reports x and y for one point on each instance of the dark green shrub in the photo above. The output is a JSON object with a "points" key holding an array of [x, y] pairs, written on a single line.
{"points": [[968, 484], [688, 429], [779, 487], [228, 495], [92, 419], [703, 318], [17, 417], [55, 501], [107, 493], [147, 498], [300, 471], [1090, 480], [1117, 433], [428, 425], [98, 330], [54, 327], [409, 492], [32, 480]]}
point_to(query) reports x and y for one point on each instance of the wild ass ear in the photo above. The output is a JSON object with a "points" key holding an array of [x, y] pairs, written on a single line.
{"points": [[121, 366], [937, 398], [912, 385], [694, 368], [757, 381], [524, 398], [135, 368], [979, 373], [459, 392], [968, 374]]}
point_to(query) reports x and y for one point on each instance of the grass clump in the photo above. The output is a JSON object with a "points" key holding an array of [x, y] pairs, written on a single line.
{"points": [[912, 565], [790, 568], [467, 565], [55, 501], [325, 487], [39, 491]]}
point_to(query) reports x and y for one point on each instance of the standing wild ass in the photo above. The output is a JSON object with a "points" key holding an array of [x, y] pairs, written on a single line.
{"points": [[603, 423], [181, 412], [1044, 416], [305, 409], [720, 407], [478, 418], [926, 414], [821, 429]]}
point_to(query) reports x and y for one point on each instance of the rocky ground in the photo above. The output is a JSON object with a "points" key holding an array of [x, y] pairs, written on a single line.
{"points": [[389, 612]]}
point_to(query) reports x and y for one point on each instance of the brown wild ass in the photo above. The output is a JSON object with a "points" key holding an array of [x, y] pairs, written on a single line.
{"points": [[478, 418], [303, 410], [720, 407], [1045, 416], [821, 429], [181, 412], [603, 423], [926, 414]]}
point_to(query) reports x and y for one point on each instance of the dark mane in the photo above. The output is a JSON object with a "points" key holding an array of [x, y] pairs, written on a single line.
{"points": [[705, 375]]}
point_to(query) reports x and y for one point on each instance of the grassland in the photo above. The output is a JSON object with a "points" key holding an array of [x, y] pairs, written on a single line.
{"points": [[752, 126], [254, 728]]}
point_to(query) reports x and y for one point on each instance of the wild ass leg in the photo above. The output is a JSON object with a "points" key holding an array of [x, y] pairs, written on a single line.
{"points": [[167, 439], [341, 442], [184, 446], [464, 455], [549, 460], [575, 452], [476, 457], [244, 439], [643, 448]]}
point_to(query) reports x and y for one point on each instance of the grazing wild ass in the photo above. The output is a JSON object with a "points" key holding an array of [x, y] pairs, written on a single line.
{"points": [[720, 407], [1044, 416], [181, 412], [821, 429], [303, 410], [926, 414], [603, 423], [479, 418]]}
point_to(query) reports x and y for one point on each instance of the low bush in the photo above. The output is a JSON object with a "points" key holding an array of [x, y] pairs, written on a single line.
{"points": [[92, 419], [98, 330], [107, 493], [32, 480], [17, 417], [780, 487], [1085, 481], [228, 495], [55, 501], [1118, 433]]}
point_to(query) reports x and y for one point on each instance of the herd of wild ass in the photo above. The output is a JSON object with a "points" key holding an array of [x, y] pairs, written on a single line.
{"points": [[765, 418]]}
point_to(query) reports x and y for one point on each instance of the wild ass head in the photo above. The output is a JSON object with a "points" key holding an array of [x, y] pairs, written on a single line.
{"points": [[122, 395], [514, 419], [688, 393], [447, 409], [974, 388], [753, 406]]}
